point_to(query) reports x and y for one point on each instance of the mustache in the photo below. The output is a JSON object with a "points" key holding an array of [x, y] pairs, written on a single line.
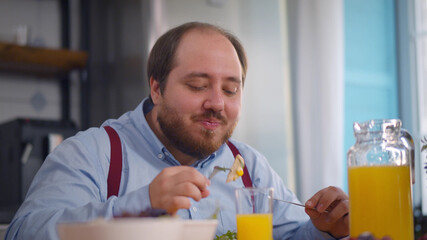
{"points": [[210, 114]]}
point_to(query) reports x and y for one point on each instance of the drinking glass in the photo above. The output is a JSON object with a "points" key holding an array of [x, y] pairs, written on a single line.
{"points": [[254, 216]]}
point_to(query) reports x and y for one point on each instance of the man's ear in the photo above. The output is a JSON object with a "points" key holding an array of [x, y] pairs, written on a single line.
{"points": [[154, 90]]}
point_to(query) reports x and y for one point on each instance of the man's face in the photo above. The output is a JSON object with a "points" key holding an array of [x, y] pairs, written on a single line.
{"points": [[201, 103]]}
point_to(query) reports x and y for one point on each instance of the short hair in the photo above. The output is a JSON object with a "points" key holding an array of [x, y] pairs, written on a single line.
{"points": [[162, 56]]}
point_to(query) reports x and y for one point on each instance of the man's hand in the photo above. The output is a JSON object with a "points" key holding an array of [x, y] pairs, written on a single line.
{"points": [[335, 220], [172, 188]]}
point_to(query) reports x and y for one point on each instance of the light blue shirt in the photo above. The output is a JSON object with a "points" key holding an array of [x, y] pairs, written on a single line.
{"points": [[71, 185]]}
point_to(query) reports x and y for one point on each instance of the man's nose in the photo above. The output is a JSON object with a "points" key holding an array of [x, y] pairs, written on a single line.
{"points": [[214, 101]]}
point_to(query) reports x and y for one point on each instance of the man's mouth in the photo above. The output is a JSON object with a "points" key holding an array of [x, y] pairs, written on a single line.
{"points": [[210, 120], [210, 124]]}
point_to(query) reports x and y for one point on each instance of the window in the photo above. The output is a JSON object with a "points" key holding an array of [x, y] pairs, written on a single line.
{"points": [[371, 85]]}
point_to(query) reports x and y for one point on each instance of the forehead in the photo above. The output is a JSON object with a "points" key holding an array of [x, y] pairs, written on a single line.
{"points": [[206, 46], [200, 33], [203, 40]]}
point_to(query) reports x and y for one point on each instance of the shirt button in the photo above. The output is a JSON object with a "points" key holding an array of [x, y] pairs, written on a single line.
{"points": [[194, 209], [159, 155]]}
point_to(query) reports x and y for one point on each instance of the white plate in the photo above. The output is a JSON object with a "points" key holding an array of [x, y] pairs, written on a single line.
{"points": [[199, 229], [123, 228], [139, 229]]}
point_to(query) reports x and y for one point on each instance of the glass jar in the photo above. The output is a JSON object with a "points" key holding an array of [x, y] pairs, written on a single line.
{"points": [[379, 181]]}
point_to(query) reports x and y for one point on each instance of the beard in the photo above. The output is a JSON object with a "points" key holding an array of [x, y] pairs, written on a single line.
{"points": [[174, 128]]}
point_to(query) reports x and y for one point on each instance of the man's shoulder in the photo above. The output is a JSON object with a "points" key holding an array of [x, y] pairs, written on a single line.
{"points": [[93, 132], [243, 147], [258, 166], [246, 150], [90, 138]]}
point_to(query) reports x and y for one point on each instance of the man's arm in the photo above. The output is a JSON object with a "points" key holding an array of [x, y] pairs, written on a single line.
{"points": [[71, 187]]}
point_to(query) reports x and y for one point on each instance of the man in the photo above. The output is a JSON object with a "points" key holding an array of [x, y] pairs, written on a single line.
{"points": [[170, 143]]}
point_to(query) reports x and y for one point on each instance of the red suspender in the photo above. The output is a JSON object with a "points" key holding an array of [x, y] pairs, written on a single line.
{"points": [[246, 178], [115, 171]]}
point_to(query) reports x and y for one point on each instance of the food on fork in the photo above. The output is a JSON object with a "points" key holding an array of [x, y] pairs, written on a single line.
{"points": [[236, 169]]}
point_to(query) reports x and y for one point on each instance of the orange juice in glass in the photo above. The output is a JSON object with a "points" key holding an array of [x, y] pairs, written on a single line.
{"points": [[254, 213], [379, 180], [247, 223]]}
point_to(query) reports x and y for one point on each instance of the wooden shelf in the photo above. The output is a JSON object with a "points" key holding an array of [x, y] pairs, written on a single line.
{"points": [[44, 62]]}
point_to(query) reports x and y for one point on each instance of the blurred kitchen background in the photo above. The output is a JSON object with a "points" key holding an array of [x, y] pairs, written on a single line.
{"points": [[315, 67]]}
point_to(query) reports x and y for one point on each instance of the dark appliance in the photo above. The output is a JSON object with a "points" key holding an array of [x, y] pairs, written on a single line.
{"points": [[24, 144]]}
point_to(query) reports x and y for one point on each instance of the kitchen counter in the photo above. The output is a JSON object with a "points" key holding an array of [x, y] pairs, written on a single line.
{"points": [[3, 228]]}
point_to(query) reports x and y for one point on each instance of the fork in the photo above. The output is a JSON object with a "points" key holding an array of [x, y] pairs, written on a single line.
{"points": [[297, 204], [216, 170]]}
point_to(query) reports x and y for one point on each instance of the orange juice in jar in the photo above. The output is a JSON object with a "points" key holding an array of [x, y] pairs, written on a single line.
{"points": [[380, 201], [379, 180]]}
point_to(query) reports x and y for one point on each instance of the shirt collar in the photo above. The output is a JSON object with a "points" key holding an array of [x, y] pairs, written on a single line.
{"points": [[141, 124], [204, 162]]}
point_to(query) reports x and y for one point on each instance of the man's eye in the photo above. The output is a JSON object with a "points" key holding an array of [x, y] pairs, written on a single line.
{"points": [[230, 91], [197, 88]]}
